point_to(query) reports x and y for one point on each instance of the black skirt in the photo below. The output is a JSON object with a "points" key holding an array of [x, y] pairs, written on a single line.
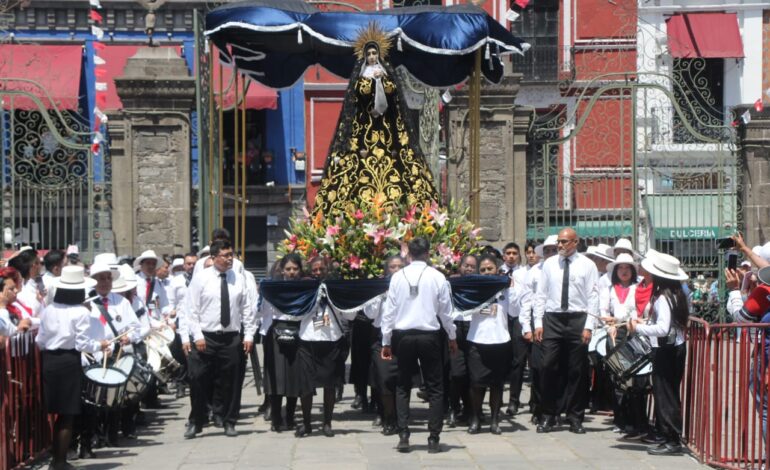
{"points": [[284, 372], [324, 361], [489, 364], [62, 381], [458, 363], [384, 374]]}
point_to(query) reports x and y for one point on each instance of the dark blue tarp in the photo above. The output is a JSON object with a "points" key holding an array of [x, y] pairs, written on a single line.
{"points": [[469, 292], [351, 294], [274, 41]]}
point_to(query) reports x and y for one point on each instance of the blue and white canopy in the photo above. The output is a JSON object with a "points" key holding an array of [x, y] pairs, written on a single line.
{"points": [[275, 41]]}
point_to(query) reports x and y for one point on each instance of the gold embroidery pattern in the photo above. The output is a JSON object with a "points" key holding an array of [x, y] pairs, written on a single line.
{"points": [[379, 158]]}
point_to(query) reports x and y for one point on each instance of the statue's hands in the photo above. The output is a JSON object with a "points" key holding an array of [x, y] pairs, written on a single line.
{"points": [[378, 73]]}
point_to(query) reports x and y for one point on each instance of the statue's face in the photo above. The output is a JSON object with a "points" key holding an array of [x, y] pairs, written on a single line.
{"points": [[372, 56]]}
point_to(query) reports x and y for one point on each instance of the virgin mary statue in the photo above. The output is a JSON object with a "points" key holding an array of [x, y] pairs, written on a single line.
{"points": [[374, 151]]}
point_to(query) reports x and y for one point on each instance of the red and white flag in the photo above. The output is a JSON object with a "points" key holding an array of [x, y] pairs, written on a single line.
{"points": [[759, 105], [522, 3]]}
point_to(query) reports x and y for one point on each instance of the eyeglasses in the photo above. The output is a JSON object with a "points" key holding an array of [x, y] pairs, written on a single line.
{"points": [[564, 241]]}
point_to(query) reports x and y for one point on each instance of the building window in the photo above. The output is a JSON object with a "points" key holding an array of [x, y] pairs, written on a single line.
{"points": [[538, 25], [698, 91]]}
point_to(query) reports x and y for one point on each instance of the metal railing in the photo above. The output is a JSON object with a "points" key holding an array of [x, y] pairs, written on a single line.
{"points": [[24, 424]]}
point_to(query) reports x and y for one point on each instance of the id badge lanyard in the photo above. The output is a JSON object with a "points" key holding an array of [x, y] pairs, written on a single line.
{"points": [[415, 289]]}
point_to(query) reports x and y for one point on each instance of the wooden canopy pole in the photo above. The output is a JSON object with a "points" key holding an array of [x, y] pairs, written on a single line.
{"points": [[474, 120]]}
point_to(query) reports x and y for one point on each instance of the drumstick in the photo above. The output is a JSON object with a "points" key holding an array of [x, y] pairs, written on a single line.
{"points": [[89, 357], [104, 365], [117, 338], [120, 351]]}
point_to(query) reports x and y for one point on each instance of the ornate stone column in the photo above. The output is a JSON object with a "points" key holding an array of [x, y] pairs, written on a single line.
{"points": [[755, 193], [503, 159], [151, 154]]}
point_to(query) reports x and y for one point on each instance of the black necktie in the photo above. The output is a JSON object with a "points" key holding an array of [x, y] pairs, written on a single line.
{"points": [[565, 286], [224, 304]]}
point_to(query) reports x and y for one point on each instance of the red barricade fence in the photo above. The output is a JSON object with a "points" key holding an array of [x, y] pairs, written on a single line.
{"points": [[725, 393], [24, 426]]}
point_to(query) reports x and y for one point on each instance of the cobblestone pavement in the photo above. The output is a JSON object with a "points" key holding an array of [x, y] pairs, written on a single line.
{"points": [[357, 445]]}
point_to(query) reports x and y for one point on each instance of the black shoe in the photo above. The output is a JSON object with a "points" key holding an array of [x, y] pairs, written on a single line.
{"points": [[86, 453], [513, 408], [263, 407], [631, 436], [433, 445], [218, 422], [545, 426], [275, 428], [535, 419], [191, 431], [230, 430], [129, 435], [327, 430], [666, 449], [291, 424], [474, 427], [422, 395], [357, 402], [577, 428], [403, 443], [451, 420], [389, 430], [494, 427], [302, 430], [653, 439]]}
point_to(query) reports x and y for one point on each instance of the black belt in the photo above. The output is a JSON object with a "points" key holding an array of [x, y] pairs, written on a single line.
{"points": [[221, 333], [566, 313]]}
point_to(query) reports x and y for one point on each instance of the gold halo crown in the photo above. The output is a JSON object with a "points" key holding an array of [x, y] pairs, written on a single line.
{"points": [[372, 34]]}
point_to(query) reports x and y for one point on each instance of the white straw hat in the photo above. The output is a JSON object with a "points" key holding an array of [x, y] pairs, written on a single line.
{"points": [[110, 259], [549, 241], [623, 244], [623, 258], [663, 265], [149, 254], [97, 268], [73, 278], [125, 281], [602, 251], [177, 263]]}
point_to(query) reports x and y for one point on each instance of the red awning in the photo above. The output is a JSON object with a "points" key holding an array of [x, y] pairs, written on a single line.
{"points": [[258, 96], [704, 35], [53, 73]]}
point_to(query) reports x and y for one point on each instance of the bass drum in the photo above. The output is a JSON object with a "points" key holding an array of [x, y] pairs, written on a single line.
{"points": [[139, 376], [104, 387]]}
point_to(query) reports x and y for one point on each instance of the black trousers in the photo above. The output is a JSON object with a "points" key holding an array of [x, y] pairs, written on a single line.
{"points": [[564, 355], [519, 358], [360, 354], [412, 346], [667, 371], [216, 369]]}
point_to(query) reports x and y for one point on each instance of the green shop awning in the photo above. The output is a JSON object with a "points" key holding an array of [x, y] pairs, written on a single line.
{"points": [[587, 229], [691, 217]]}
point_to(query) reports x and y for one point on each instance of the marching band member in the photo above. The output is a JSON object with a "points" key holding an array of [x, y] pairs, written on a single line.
{"points": [[62, 336], [666, 331], [150, 289], [217, 308], [112, 314]]}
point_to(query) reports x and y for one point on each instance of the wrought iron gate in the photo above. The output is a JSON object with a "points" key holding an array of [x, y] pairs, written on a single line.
{"points": [[49, 198], [646, 155]]}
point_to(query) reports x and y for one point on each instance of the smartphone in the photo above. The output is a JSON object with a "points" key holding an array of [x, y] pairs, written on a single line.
{"points": [[725, 243], [732, 260]]}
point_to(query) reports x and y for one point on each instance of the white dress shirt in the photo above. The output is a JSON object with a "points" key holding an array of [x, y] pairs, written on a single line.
{"points": [[49, 281], [159, 300], [28, 296], [66, 327], [611, 306], [331, 329], [583, 294], [177, 287], [605, 281], [7, 328], [423, 311], [122, 316], [528, 297], [493, 329], [662, 325], [373, 311], [203, 305]]}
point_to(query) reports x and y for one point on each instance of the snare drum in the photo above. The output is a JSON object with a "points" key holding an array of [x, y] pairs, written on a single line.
{"points": [[138, 373], [104, 387], [629, 357]]}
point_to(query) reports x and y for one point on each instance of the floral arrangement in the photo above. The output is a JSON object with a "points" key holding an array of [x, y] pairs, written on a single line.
{"points": [[359, 241]]}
